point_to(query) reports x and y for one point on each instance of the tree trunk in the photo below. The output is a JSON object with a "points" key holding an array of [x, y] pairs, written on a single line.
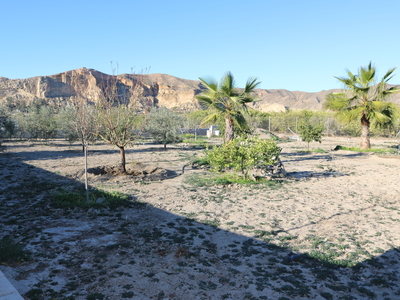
{"points": [[229, 134], [86, 179], [123, 161], [83, 144], [365, 143], [165, 146]]}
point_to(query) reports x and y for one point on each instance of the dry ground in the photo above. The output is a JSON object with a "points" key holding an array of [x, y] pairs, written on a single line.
{"points": [[331, 230]]}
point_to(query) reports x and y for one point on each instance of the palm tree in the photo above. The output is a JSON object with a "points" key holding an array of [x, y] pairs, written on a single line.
{"points": [[226, 101], [364, 100]]}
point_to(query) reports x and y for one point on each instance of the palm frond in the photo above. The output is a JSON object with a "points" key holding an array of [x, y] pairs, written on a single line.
{"points": [[251, 84], [227, 83], [389, 75], [240, 120], [211, 84], [379, 118], [351, 114], [337, 102], [366, 75], [204, 100], [212, 118]]}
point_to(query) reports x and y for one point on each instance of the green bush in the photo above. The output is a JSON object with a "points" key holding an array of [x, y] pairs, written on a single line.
{"points": [[243, 155]]}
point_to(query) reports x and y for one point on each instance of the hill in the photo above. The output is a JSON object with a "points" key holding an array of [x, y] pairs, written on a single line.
{"points": [[153, 90]]}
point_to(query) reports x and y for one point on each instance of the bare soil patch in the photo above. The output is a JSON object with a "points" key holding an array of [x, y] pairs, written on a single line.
{"points": [[331, 230]]}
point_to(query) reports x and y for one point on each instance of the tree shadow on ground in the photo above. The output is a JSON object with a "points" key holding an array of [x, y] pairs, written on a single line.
{"points": [[311, 174], [145, 252], [71, 153], [292, 157]]}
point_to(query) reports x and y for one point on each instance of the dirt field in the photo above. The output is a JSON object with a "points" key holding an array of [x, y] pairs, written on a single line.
{"points": [[330, 230]]}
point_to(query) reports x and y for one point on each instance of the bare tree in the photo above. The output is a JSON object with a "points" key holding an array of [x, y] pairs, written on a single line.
{"points": [[116, 112], [80, 122], [84, 124]]}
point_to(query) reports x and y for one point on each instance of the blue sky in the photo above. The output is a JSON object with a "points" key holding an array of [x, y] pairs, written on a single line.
{"points": [[292, 44]]}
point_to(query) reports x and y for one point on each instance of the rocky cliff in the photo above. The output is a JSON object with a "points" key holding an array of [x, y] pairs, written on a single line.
{"points": [[151, 90]]}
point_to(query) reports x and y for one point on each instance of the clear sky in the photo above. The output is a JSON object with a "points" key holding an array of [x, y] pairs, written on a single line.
{"points": [[291, 44]]}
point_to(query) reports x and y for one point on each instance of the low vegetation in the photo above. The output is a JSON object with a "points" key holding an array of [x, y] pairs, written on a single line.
{"points": [[201, 180], [11, 252], [243, 155], [372, 150], [97, 199]]}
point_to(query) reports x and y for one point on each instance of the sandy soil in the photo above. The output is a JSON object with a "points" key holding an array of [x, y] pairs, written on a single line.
{"points": [[330, 230]]}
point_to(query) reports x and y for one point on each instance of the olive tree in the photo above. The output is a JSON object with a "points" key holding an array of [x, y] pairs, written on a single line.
{"points": [[38, 123], [116, 114], [7, 126], [163, 125]]}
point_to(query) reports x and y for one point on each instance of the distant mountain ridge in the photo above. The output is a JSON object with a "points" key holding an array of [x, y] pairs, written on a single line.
{"points": [[159, 90]]}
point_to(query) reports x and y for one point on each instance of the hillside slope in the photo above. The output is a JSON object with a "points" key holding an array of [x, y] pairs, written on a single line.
{"points": [[153, 89]]}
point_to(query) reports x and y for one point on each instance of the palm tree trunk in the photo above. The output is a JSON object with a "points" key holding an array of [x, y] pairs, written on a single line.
{"points": [[123, 161], [365, 142], [229, 134]]}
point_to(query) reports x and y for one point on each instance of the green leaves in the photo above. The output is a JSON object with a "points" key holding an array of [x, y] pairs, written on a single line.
{"points": [[243, 154], [363, 96], [163, 125]]}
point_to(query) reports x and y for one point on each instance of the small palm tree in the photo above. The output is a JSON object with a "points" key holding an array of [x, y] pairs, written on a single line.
{"points": [[364, 100], [226, 101]]}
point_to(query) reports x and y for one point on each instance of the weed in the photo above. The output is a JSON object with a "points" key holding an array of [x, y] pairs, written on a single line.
{"points": [[95, 296], [226, 179], [97, 199], [11, 252], [373, 150]]}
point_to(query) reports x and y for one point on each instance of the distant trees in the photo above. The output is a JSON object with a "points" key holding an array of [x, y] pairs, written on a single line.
{"points": [[39, 122], [225, 101], [364, 100], [7, 125], [163, 125], [193, 120]]}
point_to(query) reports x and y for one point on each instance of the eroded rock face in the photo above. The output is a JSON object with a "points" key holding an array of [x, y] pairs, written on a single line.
{"points": [[144, 91]]}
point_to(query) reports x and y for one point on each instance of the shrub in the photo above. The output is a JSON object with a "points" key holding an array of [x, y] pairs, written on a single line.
{"points": [[310, 132], [243, 155]]}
